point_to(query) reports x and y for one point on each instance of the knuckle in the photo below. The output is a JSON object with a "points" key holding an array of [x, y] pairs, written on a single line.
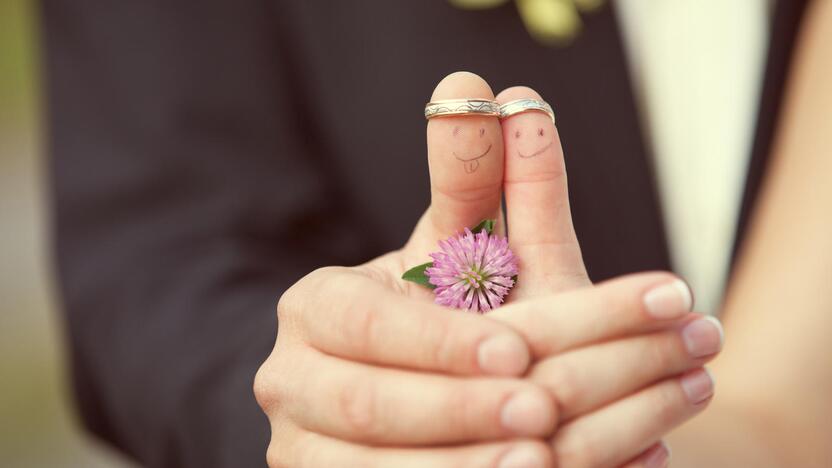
{"points": [[321, 275], [668, 406], [660, 352], [291, 448], [576, 450], [358, 408], [361, 328], [443, 343], [564, 381], [297, 296], [271, 380], [312, 292], [263, 392], [289, 302], [308, 453], [274, 458], [542, 450], [373, 271], [322, 279], [461, 405], [279, 453]]}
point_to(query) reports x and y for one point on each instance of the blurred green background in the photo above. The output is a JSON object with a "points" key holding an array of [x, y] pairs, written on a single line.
{"points": [[38, 426]]}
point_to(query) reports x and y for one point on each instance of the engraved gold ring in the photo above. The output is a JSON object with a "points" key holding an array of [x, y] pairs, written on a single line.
{"points": [[525, 105], [462, 107]]}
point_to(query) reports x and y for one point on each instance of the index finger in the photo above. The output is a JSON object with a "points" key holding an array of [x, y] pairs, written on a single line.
{"points": [[632, 304], [537, 199], [344, 313]]}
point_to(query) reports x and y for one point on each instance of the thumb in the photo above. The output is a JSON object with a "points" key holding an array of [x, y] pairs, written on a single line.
{"points": [[465, 157]]}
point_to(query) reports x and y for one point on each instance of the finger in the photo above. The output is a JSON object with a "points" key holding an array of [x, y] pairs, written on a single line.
{"points": [[597, 439], [630, 304], [349, 315], [657, 456], [537, 201], [310, 450], [383, 406], [465, 156], [588, 378]]}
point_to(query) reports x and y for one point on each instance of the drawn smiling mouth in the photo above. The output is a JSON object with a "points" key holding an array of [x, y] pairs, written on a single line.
{"points": [[536, 153], [471, 164]]}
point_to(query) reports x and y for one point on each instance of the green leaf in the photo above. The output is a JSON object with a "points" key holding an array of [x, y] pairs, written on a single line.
{"points": [[486, 225], [417, 275]]}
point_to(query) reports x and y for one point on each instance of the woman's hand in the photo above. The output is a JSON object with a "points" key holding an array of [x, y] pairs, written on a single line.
{"points": [[368, 372], [623, 367], [658, 372]]}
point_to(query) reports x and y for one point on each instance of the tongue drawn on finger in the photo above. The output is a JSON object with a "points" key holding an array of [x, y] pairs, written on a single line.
{"points": [[471, 143]]}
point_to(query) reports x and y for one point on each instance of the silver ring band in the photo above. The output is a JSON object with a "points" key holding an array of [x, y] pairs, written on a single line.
{"points": [[525, 105], [462, 107]]}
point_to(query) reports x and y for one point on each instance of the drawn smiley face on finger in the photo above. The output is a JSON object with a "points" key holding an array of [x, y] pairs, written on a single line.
{"points": [[533, 141], [471, 143]]}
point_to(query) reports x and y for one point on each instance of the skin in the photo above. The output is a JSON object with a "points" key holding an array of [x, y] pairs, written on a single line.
{"points": [[537, 202], [471, 159], [368, 372], [539, 138], [775, 376]]}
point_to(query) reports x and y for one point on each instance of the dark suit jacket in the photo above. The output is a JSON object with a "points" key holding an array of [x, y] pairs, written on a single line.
{"points": [[202, 154]]}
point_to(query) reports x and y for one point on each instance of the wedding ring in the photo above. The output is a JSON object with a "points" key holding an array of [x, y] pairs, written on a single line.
{"points": [[525, 105], [462, 107]]}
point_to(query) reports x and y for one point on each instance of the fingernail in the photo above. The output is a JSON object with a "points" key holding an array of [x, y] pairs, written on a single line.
{"points": [[658, 457], [526, 413], [703, 336], [669, 300], [522, 457], [503, 355], [698, 386]]}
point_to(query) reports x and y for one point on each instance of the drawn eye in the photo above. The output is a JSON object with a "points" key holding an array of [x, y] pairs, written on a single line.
{"points": [[540, 131], [517, 134], [455, 131], [482, 131]]}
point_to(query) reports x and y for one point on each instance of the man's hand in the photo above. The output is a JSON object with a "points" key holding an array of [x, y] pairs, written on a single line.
{"points": [[358, 366], [368, 372]]}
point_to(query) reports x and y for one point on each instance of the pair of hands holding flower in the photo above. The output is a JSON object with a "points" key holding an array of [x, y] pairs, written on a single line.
{"points": [[368, 372]]}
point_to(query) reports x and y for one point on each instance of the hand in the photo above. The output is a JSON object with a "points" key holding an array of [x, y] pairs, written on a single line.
{"points": [[616, 398], [367, 372], [359, 368], [341, 384], [636, 369]]}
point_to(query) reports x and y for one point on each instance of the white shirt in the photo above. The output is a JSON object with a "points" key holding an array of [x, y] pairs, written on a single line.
{"points": [[697, 67]]}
